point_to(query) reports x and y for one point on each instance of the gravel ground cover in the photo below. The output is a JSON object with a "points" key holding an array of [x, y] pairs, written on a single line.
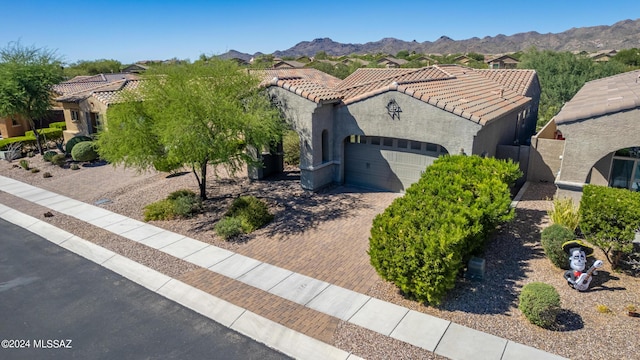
{"points": [[514, 256]]}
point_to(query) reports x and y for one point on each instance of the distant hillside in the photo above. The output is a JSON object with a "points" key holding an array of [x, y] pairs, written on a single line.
{"points": [[621, 35]]}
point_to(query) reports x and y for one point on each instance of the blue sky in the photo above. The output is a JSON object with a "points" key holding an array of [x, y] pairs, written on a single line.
{"points": [[129, 31]]}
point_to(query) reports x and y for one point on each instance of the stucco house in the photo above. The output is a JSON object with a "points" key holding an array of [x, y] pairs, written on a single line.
{"points": [[11, 126], [595, 138], [503, 62], [84, 100], [17, 125], [380, 128]]}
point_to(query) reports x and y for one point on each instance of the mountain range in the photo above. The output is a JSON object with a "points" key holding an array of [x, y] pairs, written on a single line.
{"points": [[621, 35]]}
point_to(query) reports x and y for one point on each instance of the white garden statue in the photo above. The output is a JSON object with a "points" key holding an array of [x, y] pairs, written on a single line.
{"points": [[578, 253]]}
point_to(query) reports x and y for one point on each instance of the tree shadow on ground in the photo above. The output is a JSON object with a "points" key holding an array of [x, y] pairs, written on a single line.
{"points": [[295, 210], [567, 320], [506, 262]]}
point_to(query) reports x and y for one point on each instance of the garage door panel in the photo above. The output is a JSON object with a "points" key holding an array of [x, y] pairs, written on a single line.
{"points": [[383, 168]]}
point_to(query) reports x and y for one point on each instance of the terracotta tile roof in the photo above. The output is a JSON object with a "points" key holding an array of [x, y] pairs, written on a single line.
{"points": [[309, 83], [517, 80], [80, 87], [477, 95], [603, 96], [114, 96], [364, 83], [466, 92]]}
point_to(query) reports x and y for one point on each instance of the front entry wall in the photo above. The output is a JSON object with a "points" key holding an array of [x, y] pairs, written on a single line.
{"points": [[588, 148], [416, 122]]}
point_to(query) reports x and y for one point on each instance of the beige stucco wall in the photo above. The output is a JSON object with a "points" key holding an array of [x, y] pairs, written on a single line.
{"points": [[545, 159], [308, 119], [7, 129], [590, 144], [83, 125], [588, 141], [418, 121]]}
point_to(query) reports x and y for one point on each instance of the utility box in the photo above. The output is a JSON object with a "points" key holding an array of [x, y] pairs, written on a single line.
{"points": [[475, 269]]}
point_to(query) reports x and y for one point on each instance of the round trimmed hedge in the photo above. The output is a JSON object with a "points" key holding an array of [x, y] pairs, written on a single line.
{"points": [[75, 140], [84, 151], [540, 304]]}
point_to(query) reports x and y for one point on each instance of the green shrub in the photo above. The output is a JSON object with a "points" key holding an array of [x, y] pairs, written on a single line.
{"points": [[159, 210], [24, 164], [16, 139], [58, 125], [48, 155], [552, 238], [564, 213], [59, 159], [181, 203], [181, 193], [46, 175], [540, 304], [609, 218], [423, 239], [84, 151], [35, 170], [228, 227], [74, 167], [252, 212], [75, 140], [291, 148], [46, 133]]}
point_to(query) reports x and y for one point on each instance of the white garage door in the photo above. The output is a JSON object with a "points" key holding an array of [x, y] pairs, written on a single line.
{"points": [[387, 163]]}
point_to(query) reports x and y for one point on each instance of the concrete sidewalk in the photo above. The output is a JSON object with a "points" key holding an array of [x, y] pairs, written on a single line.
{"points": [[306, 294]]}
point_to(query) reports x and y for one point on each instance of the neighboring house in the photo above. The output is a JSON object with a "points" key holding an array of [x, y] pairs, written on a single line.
{"points": [[600, 126], [304, 59], [391, 62], [84, 100], [503, 62], [603, 56], [380, 128], [462, 59], [17, 125], [349, 61], [13, 126], [425, 60], [135, 69], [287, 64]]}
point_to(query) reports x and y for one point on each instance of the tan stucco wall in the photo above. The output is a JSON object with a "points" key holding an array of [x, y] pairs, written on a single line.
{"points": [[545, 159], [590, 140], [418, 121], [82, 126], [7, 129]]}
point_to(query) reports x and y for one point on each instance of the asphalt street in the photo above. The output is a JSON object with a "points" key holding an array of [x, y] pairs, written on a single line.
{"points": [[57, 305]]}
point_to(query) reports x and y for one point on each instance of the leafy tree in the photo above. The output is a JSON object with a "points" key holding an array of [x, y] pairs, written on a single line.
{"points": [[629, 57], [561, 75], [27, 74], [94, 67], [321, 55], [192, 114], [476, 56], [402, 54], [262, 62]]}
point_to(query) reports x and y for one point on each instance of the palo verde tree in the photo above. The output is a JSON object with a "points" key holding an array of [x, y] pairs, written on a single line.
{"points": [[27, 74], [191, 115]]}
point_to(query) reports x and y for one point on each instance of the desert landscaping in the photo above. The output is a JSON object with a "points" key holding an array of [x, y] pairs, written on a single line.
{"points": [[324, 235]]}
